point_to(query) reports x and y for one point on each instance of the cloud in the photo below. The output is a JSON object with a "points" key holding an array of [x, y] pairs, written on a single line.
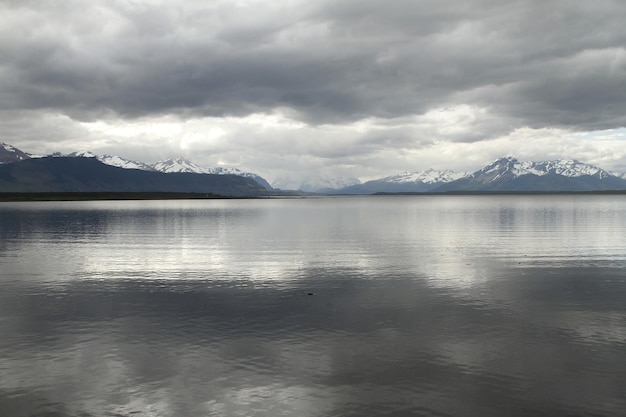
{"points": [[458, 71], [335, 62]]}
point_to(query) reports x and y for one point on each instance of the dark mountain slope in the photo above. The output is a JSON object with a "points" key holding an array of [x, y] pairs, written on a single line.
{"points": [[66, 174]]}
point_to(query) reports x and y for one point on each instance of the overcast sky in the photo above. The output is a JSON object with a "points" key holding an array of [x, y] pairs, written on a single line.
{"points": [[351, 88]]}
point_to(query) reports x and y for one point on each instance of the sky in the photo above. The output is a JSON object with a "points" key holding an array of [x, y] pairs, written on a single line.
{"points": [[291, 89]]}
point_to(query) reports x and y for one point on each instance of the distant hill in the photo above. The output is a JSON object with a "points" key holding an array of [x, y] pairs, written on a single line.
{"points": [[509, 174], [406, 182], [72, 174]]}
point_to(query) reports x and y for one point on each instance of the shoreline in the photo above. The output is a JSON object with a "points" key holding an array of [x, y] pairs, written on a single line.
{"points": [[97, 196], [103, 196]]}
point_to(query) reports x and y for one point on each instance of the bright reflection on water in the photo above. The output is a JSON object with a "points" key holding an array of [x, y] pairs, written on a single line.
{"points": [[381, 306]]}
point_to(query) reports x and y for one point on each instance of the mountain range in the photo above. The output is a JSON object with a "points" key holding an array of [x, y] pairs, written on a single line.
{"points": [[503, 175], [509, 174], [20, 171], [506, 174], [406, 182], [174, 165], [86, 172], [71, 174]]}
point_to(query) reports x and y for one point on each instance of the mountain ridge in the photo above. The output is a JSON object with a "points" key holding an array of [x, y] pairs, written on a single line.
{"points": [[76, 174], [113, 160], [405, 182], [8, 154], [180, 164], [510, 174], [503, 174]]}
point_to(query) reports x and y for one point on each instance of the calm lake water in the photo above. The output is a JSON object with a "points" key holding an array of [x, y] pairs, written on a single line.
{"points": [[361, 306]]}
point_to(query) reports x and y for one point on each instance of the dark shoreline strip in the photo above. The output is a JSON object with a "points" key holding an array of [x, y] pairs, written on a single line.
{"points": [[86, 196]]}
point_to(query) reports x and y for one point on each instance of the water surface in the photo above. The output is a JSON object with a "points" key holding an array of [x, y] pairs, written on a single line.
{"points": [[381, 306]]}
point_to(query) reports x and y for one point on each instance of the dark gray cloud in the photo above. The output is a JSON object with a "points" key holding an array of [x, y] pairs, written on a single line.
{"points": [[533, 63]]}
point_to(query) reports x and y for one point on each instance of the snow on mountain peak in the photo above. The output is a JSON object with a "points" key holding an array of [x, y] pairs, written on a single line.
{"points": [[8, 148], [112, 160], [564, 167], [179, 165], [9, 153], [574, 168], [120, 162], [184, 165], [226, 171], [429, 176], [82, 154]]}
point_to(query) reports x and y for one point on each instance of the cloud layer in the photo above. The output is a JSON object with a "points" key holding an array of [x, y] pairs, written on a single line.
{"points": [[348, 78]]}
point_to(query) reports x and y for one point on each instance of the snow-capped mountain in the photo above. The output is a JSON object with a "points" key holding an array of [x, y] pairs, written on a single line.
{"points": [[430, 176], [505, 174], [510, 166], [116, 161], [405, 182], [77, 154], [509, 174], [570, 168], [178, 165], [10, 154], [184, 165]]}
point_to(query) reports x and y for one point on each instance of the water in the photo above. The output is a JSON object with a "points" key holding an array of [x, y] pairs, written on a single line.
{"points": [[366, 306]]}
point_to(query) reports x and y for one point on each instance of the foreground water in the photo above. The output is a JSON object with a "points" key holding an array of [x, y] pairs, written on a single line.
{"points": [[370, 306]]}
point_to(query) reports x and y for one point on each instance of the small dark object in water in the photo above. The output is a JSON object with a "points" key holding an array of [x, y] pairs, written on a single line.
{"points": [[310, 293]]}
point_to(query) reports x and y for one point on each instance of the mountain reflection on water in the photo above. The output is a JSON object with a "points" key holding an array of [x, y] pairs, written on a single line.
{"points": [[396, 306]]}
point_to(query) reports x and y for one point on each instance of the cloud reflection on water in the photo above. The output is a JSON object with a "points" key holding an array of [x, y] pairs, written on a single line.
{"points": [[202, 312]]}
